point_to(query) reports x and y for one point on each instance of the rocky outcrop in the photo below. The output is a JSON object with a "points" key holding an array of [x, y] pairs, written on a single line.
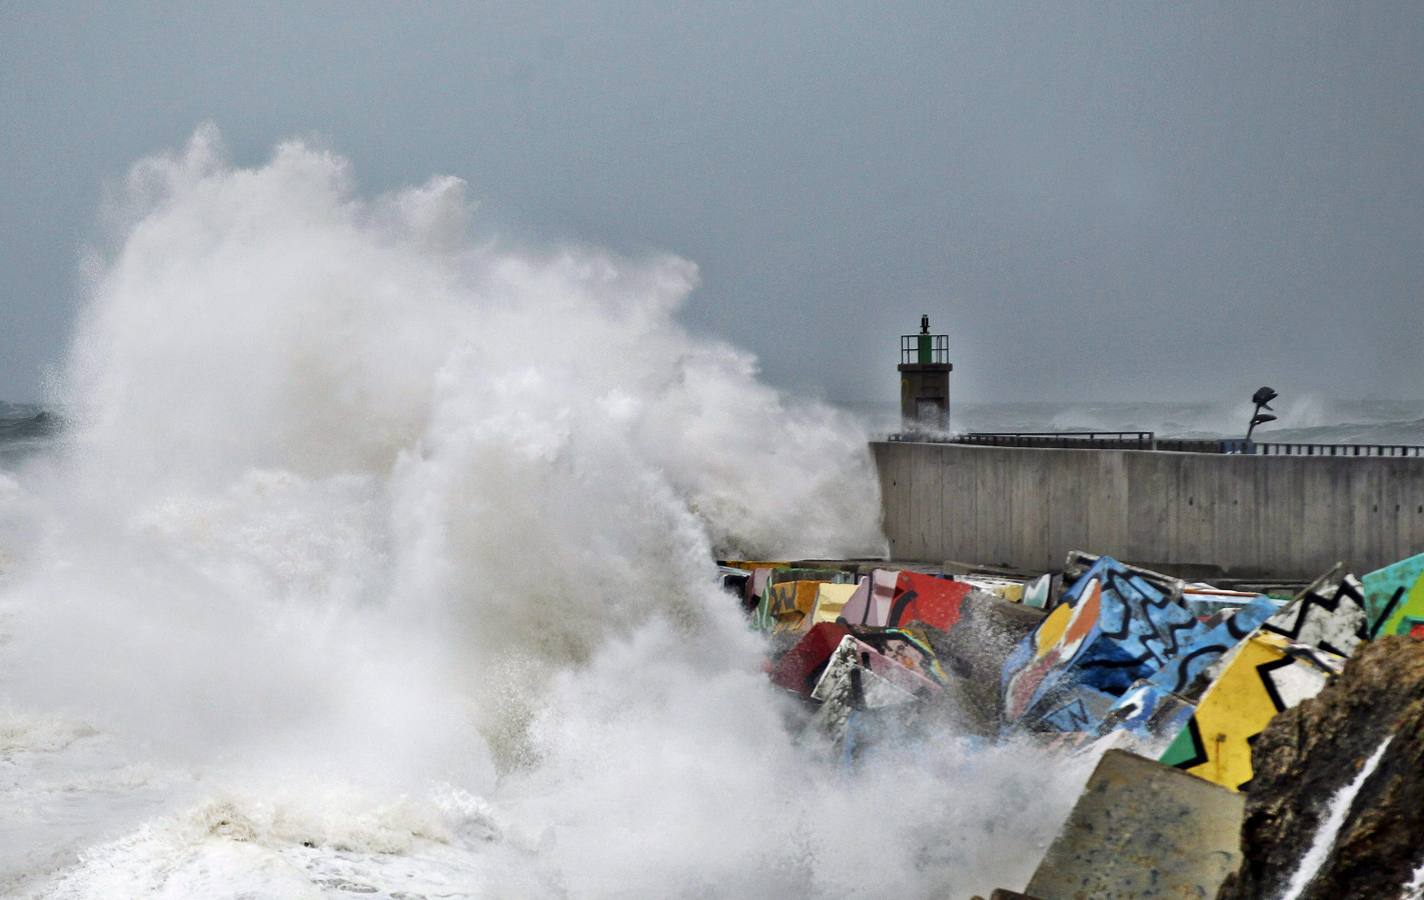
{"points": [[1336, 805]]}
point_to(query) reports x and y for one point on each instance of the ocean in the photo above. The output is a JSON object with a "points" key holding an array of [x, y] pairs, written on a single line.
{"points": [[322, 576]]}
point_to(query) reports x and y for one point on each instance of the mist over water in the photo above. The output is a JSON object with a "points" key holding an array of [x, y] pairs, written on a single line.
{"points": [[377, 556]]}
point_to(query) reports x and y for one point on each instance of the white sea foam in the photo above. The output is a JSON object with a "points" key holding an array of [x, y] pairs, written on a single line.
{"points": [[1415, 888], [391, 549]]}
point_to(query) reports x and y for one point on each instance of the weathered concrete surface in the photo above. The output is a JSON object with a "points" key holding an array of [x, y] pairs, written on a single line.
{"points": [[1277, 517], [1306, 760], [1142, 829]]}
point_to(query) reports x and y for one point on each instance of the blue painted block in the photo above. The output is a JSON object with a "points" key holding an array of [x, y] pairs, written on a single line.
{"points": [[1179, 672], [1079, 709], [1148, 711], [1112, 629]]}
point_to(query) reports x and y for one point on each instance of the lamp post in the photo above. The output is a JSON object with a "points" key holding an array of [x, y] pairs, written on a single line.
{"points": [[1262, 398]]}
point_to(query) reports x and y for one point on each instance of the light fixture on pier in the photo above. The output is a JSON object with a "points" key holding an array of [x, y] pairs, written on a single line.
{"points": [[1262, 398]]}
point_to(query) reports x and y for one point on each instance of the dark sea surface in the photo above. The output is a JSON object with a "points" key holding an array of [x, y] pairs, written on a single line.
{"points": [[25, 428]]}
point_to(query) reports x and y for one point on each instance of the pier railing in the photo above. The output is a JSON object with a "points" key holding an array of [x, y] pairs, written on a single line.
{"points": [[1291, 449], [1101, 440], [1147, 440]]}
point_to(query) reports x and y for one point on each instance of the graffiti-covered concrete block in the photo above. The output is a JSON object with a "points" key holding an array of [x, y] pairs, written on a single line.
{"points": [[834, 576], [1155, 709], [797, 668], [858, 679], [788, 598], [1142, 830], [853, 654], [1003, 588], [907, 647], [1152, 716], [1204, 601], [1078, 708], [1179, 674], [926, 599], [1394, 598], [787, 605], [1111, 628], [733, 580], [872, 607], [1079, 564], [830, 601], [1260, 677], [1330, 615], [750, 564], [760, 574], [1039, 592], [848, 692]]}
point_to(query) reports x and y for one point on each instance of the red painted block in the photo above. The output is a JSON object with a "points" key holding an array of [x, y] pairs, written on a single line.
{"points": [[798, 667], [925, 598]]}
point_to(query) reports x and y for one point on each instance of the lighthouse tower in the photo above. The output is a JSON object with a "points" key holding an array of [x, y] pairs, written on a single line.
{"points": [[924, 380]]}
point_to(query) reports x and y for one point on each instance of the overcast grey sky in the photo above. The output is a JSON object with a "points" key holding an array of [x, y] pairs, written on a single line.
{"points": [[1109, 201]]}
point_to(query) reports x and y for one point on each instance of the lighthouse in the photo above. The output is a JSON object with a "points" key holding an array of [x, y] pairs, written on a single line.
{"points": [[924, 380]]}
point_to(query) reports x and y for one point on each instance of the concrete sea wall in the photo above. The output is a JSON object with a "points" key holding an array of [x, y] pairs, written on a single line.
{"points": [[1274, 517]]}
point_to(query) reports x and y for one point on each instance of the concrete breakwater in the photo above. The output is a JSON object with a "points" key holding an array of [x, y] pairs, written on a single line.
{"points": [[1247, 745], [1243, 516]]}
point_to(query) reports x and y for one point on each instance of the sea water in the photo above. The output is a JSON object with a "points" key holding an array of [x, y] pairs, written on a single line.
{"points": [[356, 555]]}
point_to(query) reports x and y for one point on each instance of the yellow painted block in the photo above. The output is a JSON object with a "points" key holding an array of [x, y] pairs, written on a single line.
{"points": [[750, 564], [1003, 588], [1258, 681], [1051, 631], [830, 600], [790, 604], [1410, 612]]}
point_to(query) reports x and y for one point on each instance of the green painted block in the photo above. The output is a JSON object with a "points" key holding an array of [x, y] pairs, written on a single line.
{"points": [[1182, 749], [1394, 597]]}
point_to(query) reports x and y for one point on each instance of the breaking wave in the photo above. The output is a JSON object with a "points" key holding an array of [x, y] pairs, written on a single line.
{"points": [[377, 556]]}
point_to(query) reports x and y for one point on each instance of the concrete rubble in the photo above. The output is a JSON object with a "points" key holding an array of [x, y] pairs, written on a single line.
{"points": [[1203, 702]]}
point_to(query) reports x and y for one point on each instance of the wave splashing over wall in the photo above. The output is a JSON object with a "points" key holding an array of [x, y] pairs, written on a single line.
{"points": [[378, 557]]}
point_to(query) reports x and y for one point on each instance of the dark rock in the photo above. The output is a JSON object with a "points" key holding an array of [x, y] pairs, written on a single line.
{"points": [[1310, 758]]}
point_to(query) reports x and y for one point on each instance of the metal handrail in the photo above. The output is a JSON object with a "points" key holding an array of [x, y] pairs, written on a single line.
{"points": [[1136, 435], [1147, 440], [1293, 448]]}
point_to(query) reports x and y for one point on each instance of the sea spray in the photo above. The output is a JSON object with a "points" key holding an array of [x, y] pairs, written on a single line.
{"points": [[357, 513]]}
